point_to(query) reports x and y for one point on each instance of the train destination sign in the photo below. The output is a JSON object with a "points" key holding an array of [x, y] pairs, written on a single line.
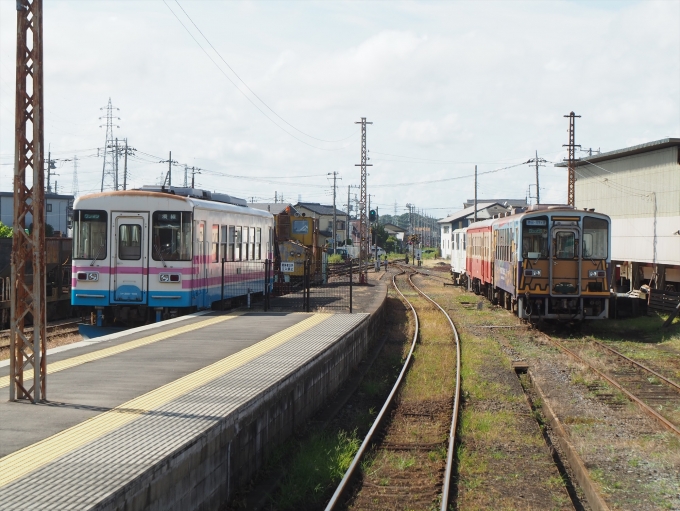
{"points": [[536, 222]]}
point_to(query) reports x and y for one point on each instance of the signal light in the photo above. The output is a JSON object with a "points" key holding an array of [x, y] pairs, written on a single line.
{"points": [[372, 216]]}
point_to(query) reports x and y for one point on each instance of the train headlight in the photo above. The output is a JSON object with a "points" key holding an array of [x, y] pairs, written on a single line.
{"points": [[169, 277], [594, 274], [92, 276], [532, 273]]}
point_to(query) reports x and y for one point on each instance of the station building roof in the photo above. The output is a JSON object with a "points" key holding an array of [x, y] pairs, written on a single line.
{"points": [[626, 151]]}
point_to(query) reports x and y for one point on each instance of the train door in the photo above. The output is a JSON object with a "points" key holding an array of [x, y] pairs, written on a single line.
{"points": [[566, 258], [202, 269], [130, 260]]}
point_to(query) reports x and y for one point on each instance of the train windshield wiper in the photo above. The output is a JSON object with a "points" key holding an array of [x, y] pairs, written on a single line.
{"points": [[158, 251], [96, 255]]}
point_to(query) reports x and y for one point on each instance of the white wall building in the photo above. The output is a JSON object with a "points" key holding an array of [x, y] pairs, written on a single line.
{"points": [[58, 211]]}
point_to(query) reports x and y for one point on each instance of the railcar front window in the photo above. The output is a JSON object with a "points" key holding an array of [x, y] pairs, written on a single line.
{"points": [[130, 242], [171, 236], [564, 245], [89, 232], [535, 238], [595, 238]]}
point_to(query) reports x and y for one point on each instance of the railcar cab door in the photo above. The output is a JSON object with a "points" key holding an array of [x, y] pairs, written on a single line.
{"points": [[565, 275], [130, 258]]}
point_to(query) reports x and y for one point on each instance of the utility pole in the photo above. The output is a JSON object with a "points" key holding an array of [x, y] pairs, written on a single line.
{"points": [[125, 166], [349, 201], [27, 349], [186, 175], [108, 170], [276, 198], [51, 165], [115, 181], [571, 192], [335, 219], [194, 171], [475, 217], [539, 163], [363, 224], [168, 176], [74, 187]]}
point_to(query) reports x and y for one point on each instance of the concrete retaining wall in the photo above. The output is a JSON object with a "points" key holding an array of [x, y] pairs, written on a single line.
{"points": [[206, 472]]}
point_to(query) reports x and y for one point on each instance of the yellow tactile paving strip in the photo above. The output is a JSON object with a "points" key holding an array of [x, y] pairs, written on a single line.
{"points": [[20, 463], [68, 363]]}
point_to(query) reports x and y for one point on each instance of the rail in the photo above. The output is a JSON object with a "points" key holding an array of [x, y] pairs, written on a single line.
{"points": [[388, 403]]}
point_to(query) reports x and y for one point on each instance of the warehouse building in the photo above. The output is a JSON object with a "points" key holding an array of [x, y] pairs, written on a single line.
{"points": [[639, 188]]}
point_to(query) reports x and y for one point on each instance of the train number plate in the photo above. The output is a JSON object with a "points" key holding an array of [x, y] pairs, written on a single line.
{"points": [[287, 267]]}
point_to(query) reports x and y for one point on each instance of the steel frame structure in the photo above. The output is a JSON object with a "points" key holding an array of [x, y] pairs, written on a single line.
{"points": [[27, 350], [571, 190], [363, 222]]}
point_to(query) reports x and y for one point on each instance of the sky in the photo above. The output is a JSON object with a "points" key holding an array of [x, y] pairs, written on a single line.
{"points": [[264, 96]]}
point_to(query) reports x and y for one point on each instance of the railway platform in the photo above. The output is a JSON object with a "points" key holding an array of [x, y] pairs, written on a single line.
{"points": [[174, 415]]}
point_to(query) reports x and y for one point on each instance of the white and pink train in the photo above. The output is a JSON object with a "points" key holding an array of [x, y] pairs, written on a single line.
{"points": [[158, 252]]}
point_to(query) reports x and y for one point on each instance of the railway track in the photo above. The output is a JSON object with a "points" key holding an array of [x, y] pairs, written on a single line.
{"points": [[53, 330], [384, 438], [656, 395]]}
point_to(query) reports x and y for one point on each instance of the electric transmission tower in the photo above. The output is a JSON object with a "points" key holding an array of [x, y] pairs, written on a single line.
{"points": [[571, 161], [363, 222], [110, 150]]}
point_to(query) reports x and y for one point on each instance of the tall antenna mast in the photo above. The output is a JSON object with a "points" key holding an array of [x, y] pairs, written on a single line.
{"points": [[571, 192], [27, 349], [363, 222], [109, 168]]}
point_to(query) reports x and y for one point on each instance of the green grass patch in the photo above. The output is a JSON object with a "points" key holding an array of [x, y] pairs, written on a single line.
{"points": [[316, 470]]}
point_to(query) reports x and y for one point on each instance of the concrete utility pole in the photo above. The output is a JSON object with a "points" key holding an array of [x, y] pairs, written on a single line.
{"points": [[475, 217], [117, 154], [50, 167], [125, 166], [186, 176], [571, 192], [335, 219], [74, 187], [539, 163], [27, 349], [363, 225], [195, 171]]}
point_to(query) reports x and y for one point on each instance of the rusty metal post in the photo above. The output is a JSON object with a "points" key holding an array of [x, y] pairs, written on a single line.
{"points": [[28, 249], [363, 221], [571, 190]]}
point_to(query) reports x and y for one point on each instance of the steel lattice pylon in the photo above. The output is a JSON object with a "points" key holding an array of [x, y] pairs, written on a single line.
{"points": [[110, 149], [363, 220], [571, 161], [28, 296]]}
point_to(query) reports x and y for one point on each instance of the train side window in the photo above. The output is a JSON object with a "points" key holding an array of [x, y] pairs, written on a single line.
{"points": [[258, 243], [215, 243], [129, 242], [251, 243], [237, 244], [232, 238], [171, 235], [223, 242], [246, 240]]}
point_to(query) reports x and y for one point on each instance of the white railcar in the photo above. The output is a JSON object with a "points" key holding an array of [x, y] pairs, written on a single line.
{"points": [[458, 247], [158, 252]]}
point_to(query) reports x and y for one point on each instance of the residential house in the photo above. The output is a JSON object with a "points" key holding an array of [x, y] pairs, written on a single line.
{"points": [[324, 214]]}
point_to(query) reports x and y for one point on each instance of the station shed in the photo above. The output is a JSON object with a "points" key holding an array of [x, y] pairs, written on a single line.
{"points": [[639, 188]]}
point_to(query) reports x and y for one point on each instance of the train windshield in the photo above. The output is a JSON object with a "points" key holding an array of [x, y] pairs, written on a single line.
{"points": [[171, 237], [535, 238], [595, 238], [89, 234]]}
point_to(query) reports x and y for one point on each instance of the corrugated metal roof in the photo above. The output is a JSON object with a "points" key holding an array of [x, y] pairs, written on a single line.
{"points": [[627, 151]]}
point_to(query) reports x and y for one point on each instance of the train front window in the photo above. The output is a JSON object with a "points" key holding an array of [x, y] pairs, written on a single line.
{"points": [[595, 239], [171, 236], [89, 233], [564, 245], [535, 238]]}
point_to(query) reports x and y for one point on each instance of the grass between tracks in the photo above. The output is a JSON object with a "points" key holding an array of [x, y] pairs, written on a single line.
{"points": [[503, 462]]}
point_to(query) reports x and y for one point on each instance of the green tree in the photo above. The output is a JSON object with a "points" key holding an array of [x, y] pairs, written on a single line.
{"points": [[5, 231], [391, 244]]}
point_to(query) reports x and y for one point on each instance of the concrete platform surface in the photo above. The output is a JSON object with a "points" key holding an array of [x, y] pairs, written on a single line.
{"points": [[118, 407]]}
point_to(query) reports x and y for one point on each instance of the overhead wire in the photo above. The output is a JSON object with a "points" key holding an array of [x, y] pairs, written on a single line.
{"points": [[243, 93]]}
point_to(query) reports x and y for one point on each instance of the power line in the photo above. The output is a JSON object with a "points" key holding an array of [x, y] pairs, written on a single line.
{"points": [[239, 89]]}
